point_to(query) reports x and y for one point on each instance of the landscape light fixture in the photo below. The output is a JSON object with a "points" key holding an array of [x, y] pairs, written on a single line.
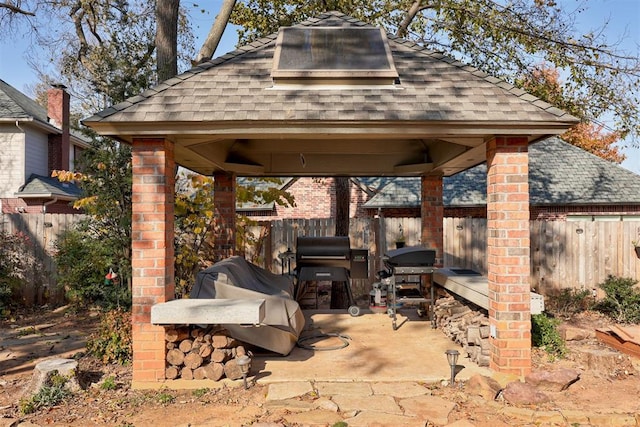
{"points": [[244, 362], [452, 358]]}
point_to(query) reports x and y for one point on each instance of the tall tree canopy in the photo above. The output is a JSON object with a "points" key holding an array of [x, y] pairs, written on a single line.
{"points": [[505, 39], [103, 51]]}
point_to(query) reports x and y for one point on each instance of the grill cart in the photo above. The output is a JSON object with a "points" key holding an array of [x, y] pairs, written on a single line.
{"points": [[402, 265]]}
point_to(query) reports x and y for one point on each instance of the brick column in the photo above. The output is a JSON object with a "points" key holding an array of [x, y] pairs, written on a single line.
{"points": [[508, 254], [224, 197], [152, 252], [432, 212]]}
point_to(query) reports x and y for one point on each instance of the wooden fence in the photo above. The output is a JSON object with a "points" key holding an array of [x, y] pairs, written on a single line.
{"points": [[577, 255], [564, 254], [40, 233], [568, 254]]}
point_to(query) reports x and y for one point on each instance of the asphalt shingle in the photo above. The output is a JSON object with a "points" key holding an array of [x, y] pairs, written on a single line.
{"points": [[16, 105], [39, 186], [452, 91]]}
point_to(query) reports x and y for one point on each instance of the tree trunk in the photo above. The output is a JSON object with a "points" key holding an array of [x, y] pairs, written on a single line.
{"points": [[167, 38], [215, 34], [339, 296]]}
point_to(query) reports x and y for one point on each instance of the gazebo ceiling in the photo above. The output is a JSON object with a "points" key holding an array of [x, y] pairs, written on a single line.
{"points": [[239, 113]]}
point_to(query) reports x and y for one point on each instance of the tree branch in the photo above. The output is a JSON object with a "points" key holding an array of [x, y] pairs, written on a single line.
{"points": [[409, 17], [17, 10], [215, 34]]}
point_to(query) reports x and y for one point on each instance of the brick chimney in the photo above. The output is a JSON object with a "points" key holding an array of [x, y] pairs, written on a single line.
{"points": [[58, 112]]}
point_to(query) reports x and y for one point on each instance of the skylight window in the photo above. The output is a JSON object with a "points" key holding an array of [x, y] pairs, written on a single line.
{"points": [[346, 55]]}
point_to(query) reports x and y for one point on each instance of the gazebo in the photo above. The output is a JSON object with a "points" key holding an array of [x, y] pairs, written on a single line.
{"points": [[333, 96]]}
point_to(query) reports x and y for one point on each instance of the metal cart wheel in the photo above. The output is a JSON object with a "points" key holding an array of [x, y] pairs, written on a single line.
{"points": [[354, 311]]}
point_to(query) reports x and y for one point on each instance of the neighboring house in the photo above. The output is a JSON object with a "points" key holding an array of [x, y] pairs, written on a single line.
{"points": [[34, 141], [565, 183], [314, 198]]}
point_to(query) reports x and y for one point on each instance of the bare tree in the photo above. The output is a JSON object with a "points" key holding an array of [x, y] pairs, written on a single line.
{"points": [[12, 8]]}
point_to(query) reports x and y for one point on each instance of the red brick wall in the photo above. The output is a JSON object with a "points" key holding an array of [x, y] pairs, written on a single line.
{"points": [[152, 252], [508, 254], [31, 206], [315, 198], [473, 212]]}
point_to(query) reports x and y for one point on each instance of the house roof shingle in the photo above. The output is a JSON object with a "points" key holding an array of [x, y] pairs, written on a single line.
{"points": [[559, 174], [238, 87], [16, 105], [38, 186]]}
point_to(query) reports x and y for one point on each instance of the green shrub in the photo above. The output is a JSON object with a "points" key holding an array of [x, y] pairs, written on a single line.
{"points": [[83, 261], [545, 335], [52, 393], [199, 392], [112, 341], [569, 301], [165, 398], [109, 383], [622, 299]]}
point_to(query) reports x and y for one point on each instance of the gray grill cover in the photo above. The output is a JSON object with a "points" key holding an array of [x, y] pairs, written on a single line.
{"points": [[239, 272], [235, 278]]}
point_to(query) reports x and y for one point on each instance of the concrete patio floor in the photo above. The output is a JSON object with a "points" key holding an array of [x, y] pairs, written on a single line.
{"points": [[375, 352]]}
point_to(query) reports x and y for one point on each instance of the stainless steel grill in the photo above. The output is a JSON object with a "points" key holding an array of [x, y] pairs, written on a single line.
{"points": [[413, 260]]}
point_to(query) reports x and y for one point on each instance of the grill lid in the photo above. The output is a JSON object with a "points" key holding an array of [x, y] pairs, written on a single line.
{"points": [[322, 248], [410, 256]]}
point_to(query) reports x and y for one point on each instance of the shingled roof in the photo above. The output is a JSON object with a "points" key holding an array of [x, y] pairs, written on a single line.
{"points": [[559, 174], [236, 87], [38, 186], [229, 114], [14, 105]]}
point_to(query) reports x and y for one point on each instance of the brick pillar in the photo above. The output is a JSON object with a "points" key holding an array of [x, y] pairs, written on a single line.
{"points": [[508, 254], [152, 252], [224, 197], [432, 212]]}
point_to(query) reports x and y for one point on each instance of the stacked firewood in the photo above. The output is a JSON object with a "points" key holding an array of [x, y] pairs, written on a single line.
{"points": [[467, 326], [202, 353]]}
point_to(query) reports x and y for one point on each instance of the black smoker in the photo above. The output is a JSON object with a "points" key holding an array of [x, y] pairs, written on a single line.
{"points": [[330, 259]]}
